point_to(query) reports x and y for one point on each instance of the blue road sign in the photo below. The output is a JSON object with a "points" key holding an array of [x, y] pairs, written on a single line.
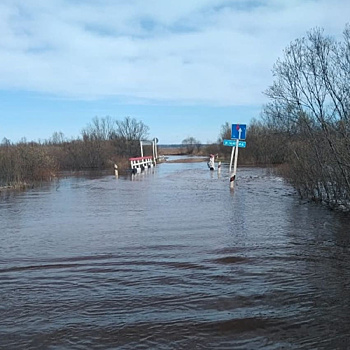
{"points": [[232, 143], [238, 131]]}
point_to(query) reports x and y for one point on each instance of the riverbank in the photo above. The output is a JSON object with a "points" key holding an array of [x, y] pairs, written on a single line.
{"points": [[19, 186], [188, 160]]}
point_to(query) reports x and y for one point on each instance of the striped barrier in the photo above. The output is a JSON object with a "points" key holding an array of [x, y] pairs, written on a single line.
{"points": [[139, 164]]}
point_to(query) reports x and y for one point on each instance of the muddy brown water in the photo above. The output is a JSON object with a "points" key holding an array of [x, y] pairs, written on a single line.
{"points": [[172, 259]]}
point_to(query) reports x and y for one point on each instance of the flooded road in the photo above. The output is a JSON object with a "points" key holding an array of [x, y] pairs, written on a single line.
{"points": [[172, 259]]}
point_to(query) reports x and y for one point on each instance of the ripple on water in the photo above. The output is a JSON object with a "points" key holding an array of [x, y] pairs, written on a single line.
{"points": [[174, 260]]}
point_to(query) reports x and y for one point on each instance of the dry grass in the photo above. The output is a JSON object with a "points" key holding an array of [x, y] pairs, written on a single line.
{"points": [[167, 151]]}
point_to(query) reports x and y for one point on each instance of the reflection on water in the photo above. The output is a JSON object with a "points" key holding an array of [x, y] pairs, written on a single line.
{"points": [[172, 259]]}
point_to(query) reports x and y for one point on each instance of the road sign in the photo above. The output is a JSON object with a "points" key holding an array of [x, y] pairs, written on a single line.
{"points": [[238, 131], [232, 143]]}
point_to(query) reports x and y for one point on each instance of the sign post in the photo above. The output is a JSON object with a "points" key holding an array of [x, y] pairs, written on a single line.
{"points": [[232, 153], [238, 133], [233, 175]]}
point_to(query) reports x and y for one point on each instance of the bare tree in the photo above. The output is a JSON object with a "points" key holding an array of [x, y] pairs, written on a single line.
{"points": [[310, 100], [102, 129], [57, 138], [127, 135], [191, 144], [131, 129]]}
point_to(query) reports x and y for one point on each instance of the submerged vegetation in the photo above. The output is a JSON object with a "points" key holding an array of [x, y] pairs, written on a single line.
{"points": [[101, 144], [24, 163]]}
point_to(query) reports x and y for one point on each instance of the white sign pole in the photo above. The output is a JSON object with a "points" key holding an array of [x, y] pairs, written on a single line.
{"points": [[233, 175], [233, 150], [141, 146]]}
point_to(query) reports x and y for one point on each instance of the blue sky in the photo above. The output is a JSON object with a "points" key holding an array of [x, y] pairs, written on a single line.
{"points": [[183, 67]]}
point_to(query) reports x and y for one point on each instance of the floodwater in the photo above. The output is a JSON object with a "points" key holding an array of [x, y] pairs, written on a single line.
{"points": [[172, 259]]}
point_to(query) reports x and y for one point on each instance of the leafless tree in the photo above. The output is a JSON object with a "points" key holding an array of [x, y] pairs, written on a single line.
{"points": [[310, 101], [128, 134], [191, 145]]}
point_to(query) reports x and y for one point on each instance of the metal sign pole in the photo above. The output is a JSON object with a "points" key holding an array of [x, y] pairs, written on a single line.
{"points": [[233, 175], [237, 134], [141, 146], [233, 150]]}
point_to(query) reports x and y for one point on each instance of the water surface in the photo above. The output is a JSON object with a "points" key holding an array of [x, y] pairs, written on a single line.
{"points": [[172, 259]]}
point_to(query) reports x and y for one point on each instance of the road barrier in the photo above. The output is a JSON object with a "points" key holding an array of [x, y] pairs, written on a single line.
{"points": [[139, 164]]}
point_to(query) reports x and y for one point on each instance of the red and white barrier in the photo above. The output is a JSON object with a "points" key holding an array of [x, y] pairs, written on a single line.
{"points": [[138, 164]]}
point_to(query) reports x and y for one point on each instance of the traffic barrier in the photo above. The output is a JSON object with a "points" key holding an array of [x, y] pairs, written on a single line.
{"points": [[138, 164]]}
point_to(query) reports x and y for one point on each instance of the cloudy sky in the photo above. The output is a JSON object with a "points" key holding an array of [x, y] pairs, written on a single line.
{"points": [[183, 67]]}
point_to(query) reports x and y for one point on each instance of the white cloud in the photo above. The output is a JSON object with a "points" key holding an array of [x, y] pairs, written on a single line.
{"points": [[212, 51]]}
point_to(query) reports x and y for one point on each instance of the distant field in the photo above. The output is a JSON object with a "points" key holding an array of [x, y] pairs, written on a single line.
{"points": [[175, 149], [168, 150]]}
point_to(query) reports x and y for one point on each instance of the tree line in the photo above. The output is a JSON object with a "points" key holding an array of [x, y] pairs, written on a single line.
{"points": [[101, 143], [310, 108]]}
